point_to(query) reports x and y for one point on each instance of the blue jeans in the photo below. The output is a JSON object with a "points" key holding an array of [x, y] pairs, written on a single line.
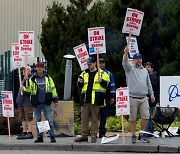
{"points": [[149, 127], [48, 116]]}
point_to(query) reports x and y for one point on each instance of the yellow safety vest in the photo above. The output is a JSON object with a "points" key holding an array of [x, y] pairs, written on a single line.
{"points": [[98, 92]]}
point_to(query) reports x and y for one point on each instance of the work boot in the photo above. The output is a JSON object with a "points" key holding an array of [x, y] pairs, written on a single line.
{"points": [[53, 140], [81, 139], [39, 140], [93, 139]]}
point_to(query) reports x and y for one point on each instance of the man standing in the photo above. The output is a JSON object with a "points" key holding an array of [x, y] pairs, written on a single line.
{"points": [[25, 110], [110, 99], [43, 92], [139, 85], [155, 85], [93, 87]]}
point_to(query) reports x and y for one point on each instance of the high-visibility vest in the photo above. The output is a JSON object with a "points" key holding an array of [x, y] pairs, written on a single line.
{"points": [[50, 89], [98, 92]]}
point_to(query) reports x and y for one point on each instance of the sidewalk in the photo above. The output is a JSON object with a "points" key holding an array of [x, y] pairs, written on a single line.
{"points": [[169, 145]]}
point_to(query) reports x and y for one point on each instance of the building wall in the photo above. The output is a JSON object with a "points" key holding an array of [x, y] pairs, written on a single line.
{"points": [[22, 15]]}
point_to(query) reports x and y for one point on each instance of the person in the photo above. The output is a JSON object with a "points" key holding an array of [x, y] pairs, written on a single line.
{"points": [[25, 110], [110, 99], [138, 82], [155, 85], [93, 87], [43, 92]]}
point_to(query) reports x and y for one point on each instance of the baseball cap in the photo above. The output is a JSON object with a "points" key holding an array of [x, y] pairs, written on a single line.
{"points": [[137, 55], [101, 60], [91, 60], [150, 64], [40, 64]]}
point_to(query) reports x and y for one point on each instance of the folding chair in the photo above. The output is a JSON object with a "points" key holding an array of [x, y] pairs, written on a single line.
{"points": [[164, 117]]}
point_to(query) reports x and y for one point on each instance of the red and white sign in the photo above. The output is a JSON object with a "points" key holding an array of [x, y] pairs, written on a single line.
{"points": [[26, 43], [7, 104], [122, 101], [133, 21], [82, 55], [17, 59], [96, 37]]}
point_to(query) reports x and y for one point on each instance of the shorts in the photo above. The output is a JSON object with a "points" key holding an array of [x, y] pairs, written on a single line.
{"points": [[140, 106], [25, 113]]}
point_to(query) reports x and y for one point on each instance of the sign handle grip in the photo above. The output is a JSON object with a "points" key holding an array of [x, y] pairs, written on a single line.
{"points": [[129, 38], [9, 132], [98, 63], [26, 70], [20, 82], [122, 122]]}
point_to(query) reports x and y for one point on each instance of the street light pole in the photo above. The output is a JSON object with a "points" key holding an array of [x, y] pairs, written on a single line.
{"points": [[68, 77]]}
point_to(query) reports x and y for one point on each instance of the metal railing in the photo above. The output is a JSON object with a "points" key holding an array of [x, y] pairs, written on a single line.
{"points": [[2, 87]]}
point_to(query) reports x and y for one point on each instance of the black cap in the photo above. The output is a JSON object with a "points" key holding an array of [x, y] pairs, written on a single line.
{"points": [[101, 60], [91, 60], [150, 64]]}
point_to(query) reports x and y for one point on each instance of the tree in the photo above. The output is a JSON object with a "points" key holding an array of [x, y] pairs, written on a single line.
{"points": [[65, 28]]}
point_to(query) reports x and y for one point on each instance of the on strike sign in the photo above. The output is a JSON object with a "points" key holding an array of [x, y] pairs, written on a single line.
{"points": [[96, 37], [26, 43], [122, 101], [17, 59], [7, 104], [82, 55], [133, 21]]}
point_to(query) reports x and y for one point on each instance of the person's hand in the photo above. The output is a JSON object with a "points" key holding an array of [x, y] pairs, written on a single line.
{"points": [[112, 100], [126, 50], [80, 79], [21, 89], [55, 104], [99, 79], [26, 77], [152, 99]]}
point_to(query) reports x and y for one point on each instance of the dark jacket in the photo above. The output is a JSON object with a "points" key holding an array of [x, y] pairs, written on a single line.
{"points": [[155, 85]]}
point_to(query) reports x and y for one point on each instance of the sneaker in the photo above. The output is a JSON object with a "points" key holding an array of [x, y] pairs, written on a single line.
{"points": [[133, 139], [28, 136], [81, 139], [38, 140], [143, 138], [53, 140], [21, 136], [93, 139]]}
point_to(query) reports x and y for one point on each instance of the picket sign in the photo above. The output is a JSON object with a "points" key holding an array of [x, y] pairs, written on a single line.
{"points": [[133, 21], [97, 42], [7, 108], [43, 126], [122, 106], [82, 55], [133, 47], [17, 60], [26, 46]]}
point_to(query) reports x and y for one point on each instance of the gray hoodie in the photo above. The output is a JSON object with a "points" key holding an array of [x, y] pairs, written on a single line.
{"points": [[137, 79]]}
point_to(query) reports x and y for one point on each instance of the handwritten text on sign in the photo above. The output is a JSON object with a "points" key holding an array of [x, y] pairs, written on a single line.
{"points": [[133, 47], [17, 59], [7, 104], [43, 126], [122, 101], [26, 43], [82, 55], [133, 21], [96, 37], [170, 91]]}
